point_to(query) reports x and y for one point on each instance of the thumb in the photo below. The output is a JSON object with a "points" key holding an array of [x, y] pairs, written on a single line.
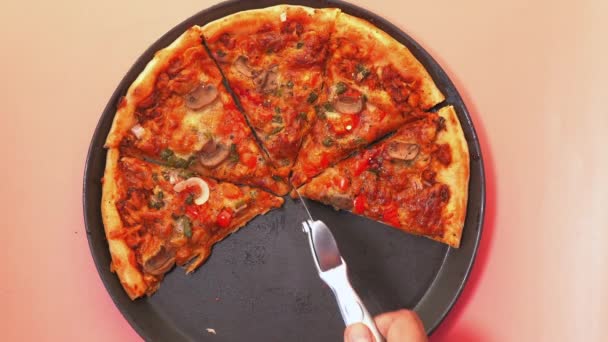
{"points": [[357, 332]]}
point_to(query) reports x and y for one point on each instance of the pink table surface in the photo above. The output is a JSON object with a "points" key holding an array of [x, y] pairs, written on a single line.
{"points": [[533, 75]]}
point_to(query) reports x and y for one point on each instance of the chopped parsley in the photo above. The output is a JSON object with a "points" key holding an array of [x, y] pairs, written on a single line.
{"points": [[312, 97], [277, 178], [302, 116], [327, 142], [166, 153], [340, 88], [234, 155], [362, 72], [190, 199], [328, 107], [220, 53], [277, 119], [299, 45], [289, 84], [277, 110]]}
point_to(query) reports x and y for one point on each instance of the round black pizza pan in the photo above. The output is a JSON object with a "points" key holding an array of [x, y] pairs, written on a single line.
{"points": [[260, 284]]}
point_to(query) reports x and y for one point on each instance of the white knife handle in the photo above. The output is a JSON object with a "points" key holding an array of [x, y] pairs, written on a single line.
{"points": [[351, 307]]}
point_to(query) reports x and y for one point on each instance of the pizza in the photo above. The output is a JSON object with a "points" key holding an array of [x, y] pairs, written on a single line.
{"points": [[274, 61], [407, 181], [374, 85], [178, 113], [234, 114], [157, 217]]}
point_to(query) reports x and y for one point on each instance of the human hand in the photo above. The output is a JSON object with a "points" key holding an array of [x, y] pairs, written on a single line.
{"points": [[396, 326]]}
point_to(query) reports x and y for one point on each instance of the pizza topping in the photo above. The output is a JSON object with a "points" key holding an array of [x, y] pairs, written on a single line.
{"points": [[224, 218], [213, 153], [348, 104], [341, 88], [203, 95], [312, 97], [403, 151], [184, 226], [267, 81], [339, 201], [156, 201], [359, 204], [242, 66], [138, 131], [361, 72], [160, 263], [203, 197]]}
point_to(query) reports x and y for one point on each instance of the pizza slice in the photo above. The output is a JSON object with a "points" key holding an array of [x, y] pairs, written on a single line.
{"points": [[156, 217], [178, 113], [416, 180], [273, 59], [374, 85]]}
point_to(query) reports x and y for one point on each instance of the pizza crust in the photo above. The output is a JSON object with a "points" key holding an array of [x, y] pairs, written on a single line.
{"points": [[386, 50], [455, 176], [251, 20], [123, 258]]}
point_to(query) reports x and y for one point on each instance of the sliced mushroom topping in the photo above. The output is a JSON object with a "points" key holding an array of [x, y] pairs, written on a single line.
{"points": [[242, 66], [160, 263], [348, 104], [213, 153], [203, 95], [339, 201], [403, 151], [272, 79], [260, 79]]}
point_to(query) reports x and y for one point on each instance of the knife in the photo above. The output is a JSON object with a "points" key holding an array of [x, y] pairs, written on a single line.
{"points": [[332, 270]]}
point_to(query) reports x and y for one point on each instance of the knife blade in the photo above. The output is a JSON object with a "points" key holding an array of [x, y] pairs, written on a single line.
{"points": [[332, 270]]}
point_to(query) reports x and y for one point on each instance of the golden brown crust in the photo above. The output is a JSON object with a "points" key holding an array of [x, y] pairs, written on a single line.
{"points": [[386, 50], [251, 20], [130, 276], [455, 175]]}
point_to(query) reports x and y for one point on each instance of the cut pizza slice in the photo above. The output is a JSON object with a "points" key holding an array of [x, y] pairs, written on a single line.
{"points": [[178, 113], [273, 59], [416, 180], [156, 217], [374, 85]]}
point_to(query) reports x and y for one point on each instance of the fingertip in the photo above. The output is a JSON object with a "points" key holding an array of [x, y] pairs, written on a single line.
{"points": [[357, 332]]}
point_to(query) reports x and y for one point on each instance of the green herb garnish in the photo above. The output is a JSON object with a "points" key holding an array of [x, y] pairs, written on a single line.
{"points": [[299, 45], [190, 199], [166, 153], [327, 142], [312, 97], [234, 155], [289, 84], [340, 88]]}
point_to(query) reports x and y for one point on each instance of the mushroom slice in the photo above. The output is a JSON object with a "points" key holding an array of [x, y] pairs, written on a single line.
{"points": [[348, 104], [260, 80], [203, 95], [160, 263], [339, 201], [271, 82], [403, 151], [195, 181], [242, 66], [213, 153]]}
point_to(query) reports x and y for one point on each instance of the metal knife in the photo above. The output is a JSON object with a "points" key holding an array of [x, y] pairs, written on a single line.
{"points": [[332, 270]]}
